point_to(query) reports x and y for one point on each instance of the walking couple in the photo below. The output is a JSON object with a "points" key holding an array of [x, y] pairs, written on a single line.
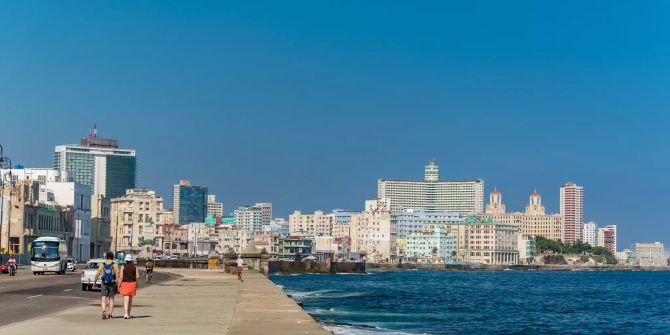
{"points": [[123, 280]]}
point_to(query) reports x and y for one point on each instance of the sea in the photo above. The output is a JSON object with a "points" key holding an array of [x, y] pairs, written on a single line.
{"points": [[485, 302]]}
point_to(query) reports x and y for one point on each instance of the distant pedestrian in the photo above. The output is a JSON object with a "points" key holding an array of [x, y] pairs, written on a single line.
{"points": [[128, 284], [240, 266], [109, 271]]}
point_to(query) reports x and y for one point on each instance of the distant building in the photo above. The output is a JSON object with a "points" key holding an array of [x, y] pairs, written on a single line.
{"points": [[101, 238], [589, 235], [253, 218], [233, 238], [414, 221], [431, 242], [214, 208], [625, 257], [572, 211], [650, 254], [485, 241], [607, 237], [280, 226], [433, 195], [190, 202], [373, 234], [100, 164], [137, 223], [290, 247], [317, 224], [533, 222], [527, 249]]}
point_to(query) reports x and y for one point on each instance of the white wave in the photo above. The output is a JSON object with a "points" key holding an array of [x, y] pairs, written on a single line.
{"points": [[352, 330]]}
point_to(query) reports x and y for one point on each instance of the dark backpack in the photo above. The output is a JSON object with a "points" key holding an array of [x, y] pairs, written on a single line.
{"points": [[108, 276]]}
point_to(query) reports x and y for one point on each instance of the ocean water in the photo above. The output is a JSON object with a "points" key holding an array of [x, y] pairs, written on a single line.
{"points": [[486, 302]]}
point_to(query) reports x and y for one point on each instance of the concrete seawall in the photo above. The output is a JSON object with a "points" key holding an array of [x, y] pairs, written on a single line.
{"points": [[198, 302], [288, 267]]}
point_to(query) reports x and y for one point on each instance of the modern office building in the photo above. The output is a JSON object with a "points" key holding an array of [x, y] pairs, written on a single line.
{"points": [[214, 208], [433, 195], [650, 254], [607, 237], [137, 223], [189, 203], [100, 164], [572, 211], [589, 235]]}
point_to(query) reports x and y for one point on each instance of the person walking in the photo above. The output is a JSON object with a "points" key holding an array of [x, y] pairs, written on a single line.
{"points": [[149, 266], [128, 284], [240, 266], [109, 272]]}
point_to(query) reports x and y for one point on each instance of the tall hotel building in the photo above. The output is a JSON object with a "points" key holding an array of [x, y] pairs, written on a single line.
{"points": [[190, 202], [589, 233], [572, 211], [433, 195], [607, 237], [100, 164]]}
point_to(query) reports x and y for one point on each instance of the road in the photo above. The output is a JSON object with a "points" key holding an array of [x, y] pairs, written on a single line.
{"points": [[25, 296]]}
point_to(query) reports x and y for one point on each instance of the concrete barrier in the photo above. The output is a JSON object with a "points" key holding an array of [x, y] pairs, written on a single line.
{"points": [[289, 267]]}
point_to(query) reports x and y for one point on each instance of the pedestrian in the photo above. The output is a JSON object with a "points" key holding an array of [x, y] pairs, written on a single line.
{"points": [[109, 271], [240, 264], [128, 284]]}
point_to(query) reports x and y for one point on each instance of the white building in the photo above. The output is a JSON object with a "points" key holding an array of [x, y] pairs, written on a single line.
{"points": [[317, 224], [214, 208], [650, 254], [252, 218], [202, 239], [433, 243], [372, 233], [433, 195], [625, 257], [232, 237], [413, 221], [60, 186], [278, 225], [589, 236], [527, 249]]}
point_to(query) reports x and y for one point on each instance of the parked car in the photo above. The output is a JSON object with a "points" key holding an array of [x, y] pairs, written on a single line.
{"points": [[88, 275], [71, 264]]}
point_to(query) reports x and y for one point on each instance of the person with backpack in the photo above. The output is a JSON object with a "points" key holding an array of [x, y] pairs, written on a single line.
{"points": [[109, 271], [128, 284]]}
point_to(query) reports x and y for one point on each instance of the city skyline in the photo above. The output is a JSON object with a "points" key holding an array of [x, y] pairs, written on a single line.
{"points": [[267, 103]]}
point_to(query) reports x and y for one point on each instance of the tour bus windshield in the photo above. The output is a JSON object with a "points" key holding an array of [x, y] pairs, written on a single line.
{"points": [[45, 251]]}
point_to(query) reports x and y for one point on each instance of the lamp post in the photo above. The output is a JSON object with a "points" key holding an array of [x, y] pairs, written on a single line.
{"points": [[6, 179]]}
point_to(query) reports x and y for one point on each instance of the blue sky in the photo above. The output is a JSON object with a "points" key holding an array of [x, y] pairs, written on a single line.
{"points": [[306, 104]]}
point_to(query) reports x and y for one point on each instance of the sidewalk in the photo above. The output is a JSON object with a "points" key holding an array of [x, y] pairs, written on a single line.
{"points": [[200, 302]]}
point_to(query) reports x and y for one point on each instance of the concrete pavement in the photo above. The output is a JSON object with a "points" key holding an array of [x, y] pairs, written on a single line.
{"points": [[199, 302]]}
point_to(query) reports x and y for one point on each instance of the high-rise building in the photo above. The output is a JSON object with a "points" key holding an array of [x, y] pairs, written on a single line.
{"points": [[607, 237], [100, 164], [214, 208], [373, 234], [266, 212], [650, 254], [572, 211], [252, 218], [589, 234], [190, 202], [433, 195], [137, 222]]}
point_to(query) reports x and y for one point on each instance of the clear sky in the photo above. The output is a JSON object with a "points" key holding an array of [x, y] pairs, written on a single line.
{"points": [[307, 104]]}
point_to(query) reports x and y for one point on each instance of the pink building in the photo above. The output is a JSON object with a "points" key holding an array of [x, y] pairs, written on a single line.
{"points": [[572, 211]]}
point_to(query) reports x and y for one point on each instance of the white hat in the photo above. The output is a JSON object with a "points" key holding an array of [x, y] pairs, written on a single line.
{"points": [[128, 258]]}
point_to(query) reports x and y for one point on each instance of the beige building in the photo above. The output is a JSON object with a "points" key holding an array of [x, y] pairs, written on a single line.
{"points": [[533, 222], [317, 224], [650, 254], [233, 238], [137, 222], [482, 240], [101, 239], [373, 235], [607, 237]]}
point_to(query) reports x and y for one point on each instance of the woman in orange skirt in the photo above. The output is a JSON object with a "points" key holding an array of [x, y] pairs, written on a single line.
{"points": [[128, 284]]}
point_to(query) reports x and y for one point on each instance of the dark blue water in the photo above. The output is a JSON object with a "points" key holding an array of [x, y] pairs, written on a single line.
{"points": [[486, 302]]}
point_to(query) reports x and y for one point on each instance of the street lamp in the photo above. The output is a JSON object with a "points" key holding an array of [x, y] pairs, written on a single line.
{"points": [[6, 179]]}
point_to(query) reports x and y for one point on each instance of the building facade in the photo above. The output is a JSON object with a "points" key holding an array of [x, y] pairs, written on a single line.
{"points": [[190, 202], [650, 254], [607, 237], [214, 208], [317, 224], [433, 195], [373, 234], [572, 211], [589, 235], [253, 218], [433, 242], [137, 223]]}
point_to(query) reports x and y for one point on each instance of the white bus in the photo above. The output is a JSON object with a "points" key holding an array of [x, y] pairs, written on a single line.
{"points": [[48, 254]]}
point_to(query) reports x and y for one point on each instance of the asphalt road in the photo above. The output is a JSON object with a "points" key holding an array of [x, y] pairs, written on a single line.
{"points": [[25, 296]]}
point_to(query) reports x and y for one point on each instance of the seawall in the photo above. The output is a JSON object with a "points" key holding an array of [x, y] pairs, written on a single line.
{"points": [[485, 267]]}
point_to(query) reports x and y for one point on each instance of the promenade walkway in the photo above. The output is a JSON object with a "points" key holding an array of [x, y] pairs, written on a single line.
{"points": [[199, 302]]}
